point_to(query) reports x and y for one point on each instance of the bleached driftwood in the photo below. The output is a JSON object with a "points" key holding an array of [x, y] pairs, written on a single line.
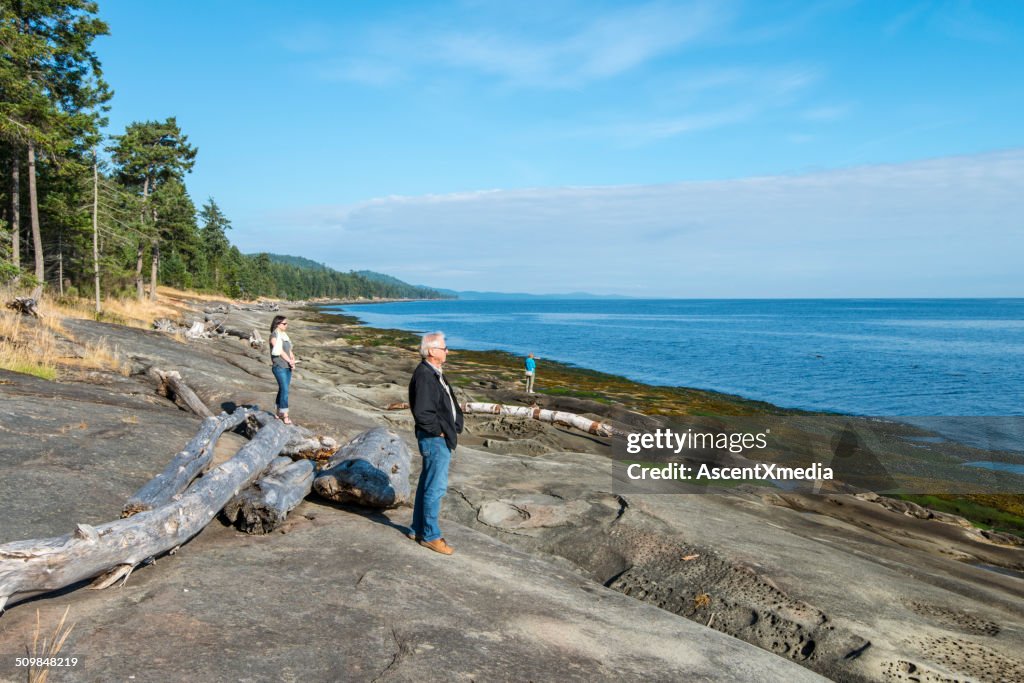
{"points": [[371, 469], [265, 505], [181, 392], [186, 465], [197, 331], [25, 306], [544, 415], [165, 325], [114, 549]]}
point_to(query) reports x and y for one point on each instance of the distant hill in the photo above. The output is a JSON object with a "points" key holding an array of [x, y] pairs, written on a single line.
{"points": [[302, 278]]}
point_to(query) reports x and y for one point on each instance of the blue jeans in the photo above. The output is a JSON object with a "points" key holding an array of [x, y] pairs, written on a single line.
{"points": [[432, 486], [284, 378]]}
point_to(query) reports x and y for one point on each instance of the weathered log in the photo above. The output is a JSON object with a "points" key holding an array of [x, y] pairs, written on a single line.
{"points": [[545, 415], [25, 306], [194, 459], [371, 469], [265, 505], [116, 548], [197, 331], [180, 391], [255, 340]]}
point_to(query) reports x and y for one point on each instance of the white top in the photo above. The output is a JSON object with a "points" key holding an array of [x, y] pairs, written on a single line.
{"points": [[277, 342]]}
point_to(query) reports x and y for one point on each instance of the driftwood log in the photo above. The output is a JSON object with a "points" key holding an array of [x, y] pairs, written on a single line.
{"points": [[114, 549], [25, 306], [544, 415], [194, 459], [265, 505], [371, 469], [173, 386]]}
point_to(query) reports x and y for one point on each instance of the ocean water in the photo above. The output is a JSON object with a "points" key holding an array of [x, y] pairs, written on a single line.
{"points": [[892, 357]]}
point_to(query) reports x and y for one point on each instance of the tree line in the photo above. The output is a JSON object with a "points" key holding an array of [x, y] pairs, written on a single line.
{"points": [[82, 213]]}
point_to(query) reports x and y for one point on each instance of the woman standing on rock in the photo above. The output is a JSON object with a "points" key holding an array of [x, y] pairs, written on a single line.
{"points": [[282, 361]]}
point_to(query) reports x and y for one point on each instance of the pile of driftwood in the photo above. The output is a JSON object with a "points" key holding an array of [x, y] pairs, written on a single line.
{"points": [[24, 305], [224, 309], [209, 328], [255, 490]]}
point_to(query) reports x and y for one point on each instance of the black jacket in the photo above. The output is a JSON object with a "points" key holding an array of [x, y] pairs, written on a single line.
{"points": [[430, 406]]}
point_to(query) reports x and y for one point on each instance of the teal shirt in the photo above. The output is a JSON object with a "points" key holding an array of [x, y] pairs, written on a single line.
{"points": [[531, 365]]}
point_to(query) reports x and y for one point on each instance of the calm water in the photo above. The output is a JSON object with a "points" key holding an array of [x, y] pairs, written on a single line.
{"points": [[868, 357]]}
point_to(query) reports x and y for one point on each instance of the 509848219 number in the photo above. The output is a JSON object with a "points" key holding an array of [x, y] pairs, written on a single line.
{"points": [[22, 662]]}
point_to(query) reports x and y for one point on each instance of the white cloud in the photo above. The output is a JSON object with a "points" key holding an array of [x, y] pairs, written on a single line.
{"points": [[600, 46], [943, 227]]}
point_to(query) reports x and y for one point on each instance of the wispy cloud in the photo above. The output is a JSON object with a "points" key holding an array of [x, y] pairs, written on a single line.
{"points": [[596, 47], [749, 93], [519, 46]]}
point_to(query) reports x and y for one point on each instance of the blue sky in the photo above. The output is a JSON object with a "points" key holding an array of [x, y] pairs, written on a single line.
{"points": [[650, 148]]}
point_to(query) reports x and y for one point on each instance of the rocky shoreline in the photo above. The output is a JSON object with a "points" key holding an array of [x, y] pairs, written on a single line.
{"points": [[555, 576]]}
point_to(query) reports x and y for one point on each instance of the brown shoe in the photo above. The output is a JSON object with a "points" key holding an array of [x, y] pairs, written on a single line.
{"points": [[413, 536], [438, 545]]}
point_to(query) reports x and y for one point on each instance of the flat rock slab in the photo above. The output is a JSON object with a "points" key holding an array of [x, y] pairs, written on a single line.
{"points": [[854, 601], [348, 597]]}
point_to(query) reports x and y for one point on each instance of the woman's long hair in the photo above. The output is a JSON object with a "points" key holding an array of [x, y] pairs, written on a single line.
{"points": [[278, 319]]}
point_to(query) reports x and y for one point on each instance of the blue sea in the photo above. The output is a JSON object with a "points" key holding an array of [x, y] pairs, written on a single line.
{"points": [[892, 357]]}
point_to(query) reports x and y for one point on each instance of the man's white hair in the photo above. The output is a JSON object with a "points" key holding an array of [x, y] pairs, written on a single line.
{"points": [[433, 340]]}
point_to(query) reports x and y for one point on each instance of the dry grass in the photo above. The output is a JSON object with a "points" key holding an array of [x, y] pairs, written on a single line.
{"points": [[34, 348], [99, 355], [49, 647], [27, 347]]}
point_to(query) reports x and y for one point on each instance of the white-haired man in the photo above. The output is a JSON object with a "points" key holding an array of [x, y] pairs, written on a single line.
{"points": [[438, 425]]}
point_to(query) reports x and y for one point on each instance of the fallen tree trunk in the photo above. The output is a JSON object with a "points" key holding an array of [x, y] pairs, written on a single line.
{"points": [[186, 465], [265, 505], [178, 390], [371, 469], [544, 415], [116, 548]]}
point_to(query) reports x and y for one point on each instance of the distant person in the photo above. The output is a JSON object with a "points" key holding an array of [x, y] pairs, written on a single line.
{"points": [[282, 361], [531, 371], [438, 425]]}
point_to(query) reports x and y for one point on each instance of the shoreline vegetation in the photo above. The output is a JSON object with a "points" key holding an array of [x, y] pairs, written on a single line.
{"points": [[990, 512]]}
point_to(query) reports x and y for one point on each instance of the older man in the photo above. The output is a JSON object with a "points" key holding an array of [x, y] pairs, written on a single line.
{"points": [[438, 424]]}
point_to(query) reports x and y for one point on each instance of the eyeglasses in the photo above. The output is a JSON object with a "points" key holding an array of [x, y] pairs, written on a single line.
{"points": [[442, 348]]}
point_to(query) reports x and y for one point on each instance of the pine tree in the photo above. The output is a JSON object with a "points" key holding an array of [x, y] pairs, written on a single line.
{"points": [[52, 94], [147, 156]]}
